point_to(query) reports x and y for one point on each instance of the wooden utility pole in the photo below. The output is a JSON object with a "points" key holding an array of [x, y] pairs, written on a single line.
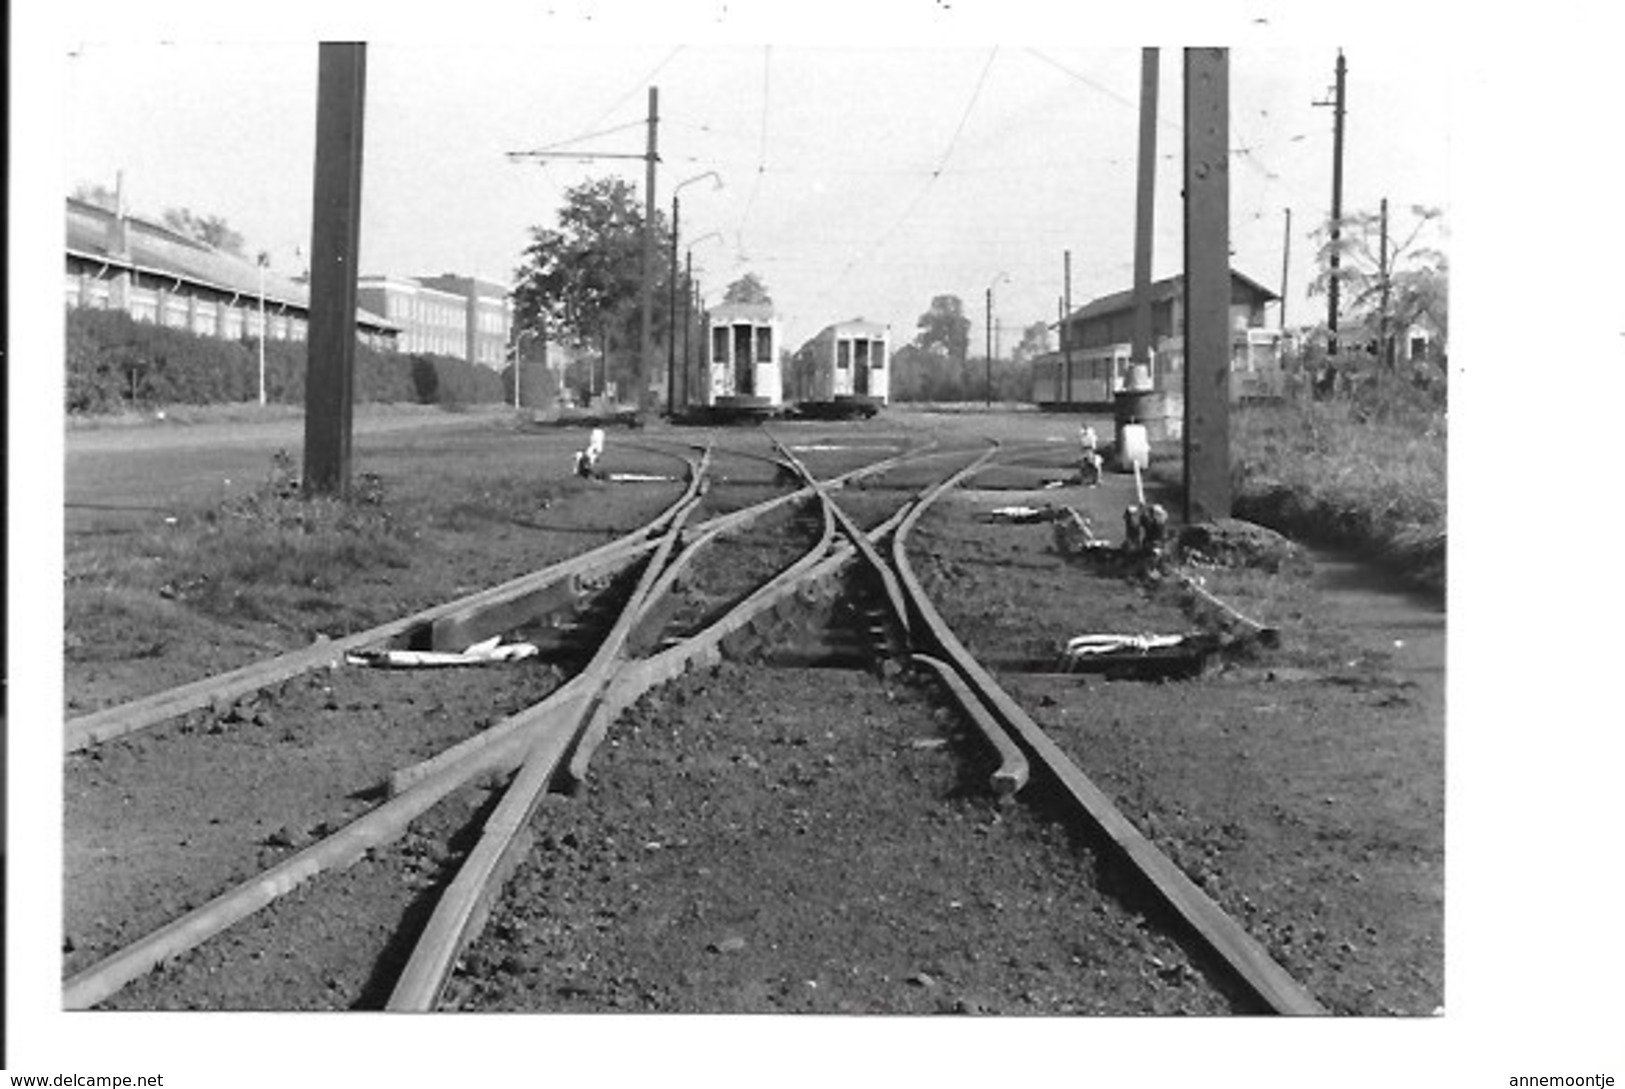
{"points": [[1066, 341], [688, 322], [1145, 207], [671, 322], [1383, 352], [1060, 328], [647, 359], [1286, 261], [1207, 284], [1337, 104], [335, 243], [987, 387]]}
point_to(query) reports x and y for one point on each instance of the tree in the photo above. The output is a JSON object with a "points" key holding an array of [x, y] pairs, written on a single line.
{"points": [[1034, 342], [944, 329], [580, 281], [747, 289], [1417, 279], [210, 230]]}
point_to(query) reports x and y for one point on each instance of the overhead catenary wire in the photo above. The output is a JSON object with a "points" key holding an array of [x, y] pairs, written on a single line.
{"points": [[761, 148], [816, 179], [919, 196], [636, 89], [567, 142], [1244, 149], [1121, 99], [593, 131]]}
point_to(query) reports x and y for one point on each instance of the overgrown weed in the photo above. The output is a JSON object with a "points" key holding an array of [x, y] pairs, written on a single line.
{"points": [[514, 499], [271, 555], [1368, 471]]}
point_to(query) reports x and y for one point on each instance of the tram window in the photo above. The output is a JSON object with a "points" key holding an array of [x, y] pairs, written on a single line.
{"points": [[764, 345], [719, 344], [843, 354], [877, 354]]}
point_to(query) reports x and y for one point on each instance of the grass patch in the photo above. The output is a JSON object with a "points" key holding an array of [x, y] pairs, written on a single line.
{"points": [[1340, 473], [514, 499], [271, 556]]}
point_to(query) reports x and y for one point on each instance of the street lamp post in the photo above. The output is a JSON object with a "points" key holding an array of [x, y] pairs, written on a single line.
{"points": [[688, 321], [263, 260], [693, 304], [671, 338], [518, 359], [989, 379]]}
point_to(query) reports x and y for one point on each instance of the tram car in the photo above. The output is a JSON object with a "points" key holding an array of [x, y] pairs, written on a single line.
{"points": [[843, 371], [1097, 375], [1093, 377], [740, 371]]}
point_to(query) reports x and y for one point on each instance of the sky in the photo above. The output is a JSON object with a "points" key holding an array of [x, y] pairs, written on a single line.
{"points": [[856, 180], [876, 154]]}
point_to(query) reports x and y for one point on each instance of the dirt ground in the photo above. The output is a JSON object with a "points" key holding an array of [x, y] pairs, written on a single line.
{"points": [[803, 840]]}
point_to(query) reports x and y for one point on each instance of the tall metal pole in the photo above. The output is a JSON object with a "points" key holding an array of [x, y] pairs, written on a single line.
{"points": [[1286, 260], [262, 260], [688, 321], [1207, 284], [1060, 329], [671, 336], [646, 357], [335, 243], [519, 360], [1383, 354], [1336, 261], [1145, 207], [671, 323], [988, 387], [1066, 339]]}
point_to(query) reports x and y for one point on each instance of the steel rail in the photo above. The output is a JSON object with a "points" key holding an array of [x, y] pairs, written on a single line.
{"points": [[461, 910], [639, 677], [894, 593], [461, 913], [1239, 950], [705, 531], [499, 748], [375, 828], [636, 678], [111, 722], [1013, 770], [466, 619]]}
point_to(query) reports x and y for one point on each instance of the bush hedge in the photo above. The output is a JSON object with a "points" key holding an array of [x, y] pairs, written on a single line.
{"points": [[115, 363]]}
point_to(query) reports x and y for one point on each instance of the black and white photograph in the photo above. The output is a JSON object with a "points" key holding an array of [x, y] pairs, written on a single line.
{"points": [[630, 542]]}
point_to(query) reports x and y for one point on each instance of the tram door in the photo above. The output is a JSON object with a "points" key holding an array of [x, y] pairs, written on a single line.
{"points": [[744, 362], [860, 367]]}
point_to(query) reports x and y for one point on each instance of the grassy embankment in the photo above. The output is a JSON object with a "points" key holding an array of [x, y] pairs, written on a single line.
{"points": [[273, 559], [1366, 473]]}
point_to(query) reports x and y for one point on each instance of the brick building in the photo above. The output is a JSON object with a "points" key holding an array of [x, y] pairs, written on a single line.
{"points": [[460, 316]]}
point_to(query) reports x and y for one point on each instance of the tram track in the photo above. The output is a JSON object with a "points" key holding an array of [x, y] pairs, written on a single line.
{"points": [[551, 744], [1001, 723], [1010, 731], [754, 651], [791, 807], [411, 794]]}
